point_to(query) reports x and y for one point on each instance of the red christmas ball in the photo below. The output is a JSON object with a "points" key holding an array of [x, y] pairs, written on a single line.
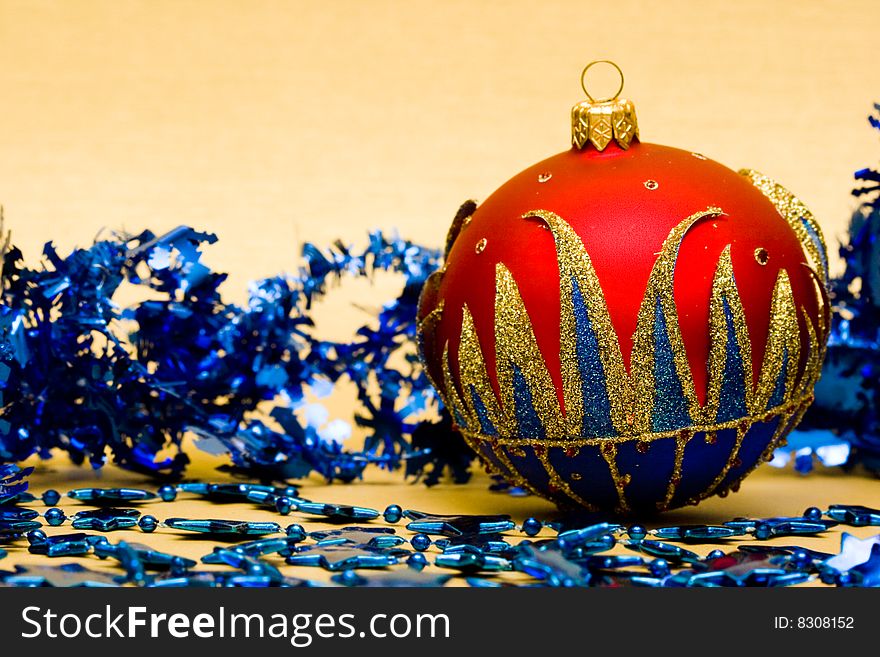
{"points": [[627, 325]]}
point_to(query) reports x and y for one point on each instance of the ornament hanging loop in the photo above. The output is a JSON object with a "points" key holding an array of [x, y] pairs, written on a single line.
{"points": [[598, 122], [584, 81]]}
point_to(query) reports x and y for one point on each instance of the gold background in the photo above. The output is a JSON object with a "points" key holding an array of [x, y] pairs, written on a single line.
{"points": [[271, 123]]}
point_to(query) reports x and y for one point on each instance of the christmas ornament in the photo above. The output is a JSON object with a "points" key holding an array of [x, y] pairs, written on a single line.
{"points": [[627, 326]]}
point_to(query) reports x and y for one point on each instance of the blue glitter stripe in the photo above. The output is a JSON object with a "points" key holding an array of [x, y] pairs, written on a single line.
{"points": [[732, 403], [778, 395], [817, 242], [486, 426], [526, 417], [597, 409], [459, 418], [670, 405]]}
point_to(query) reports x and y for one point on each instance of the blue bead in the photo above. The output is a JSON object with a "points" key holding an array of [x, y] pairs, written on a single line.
{"points": [[36, 536], [827, 575], [659, 567], [421, 542], [715, 554], [637, 532], [178, 566], [532, 526], [393, 513], [167, 493], [417, 560], [289, 491], [763, 531], [284, 504], [844, 579], [813, 513], [800, 559], [350, 577], [295, 531], [51, 497], [148, 523], [55, 516]]}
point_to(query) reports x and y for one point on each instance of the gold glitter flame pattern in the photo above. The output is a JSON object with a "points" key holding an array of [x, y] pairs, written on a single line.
{"points": [[631, 396]]}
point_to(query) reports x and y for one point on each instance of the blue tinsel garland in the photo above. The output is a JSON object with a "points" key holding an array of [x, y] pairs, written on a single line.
{"points": [[80, 373], [842, 427]]}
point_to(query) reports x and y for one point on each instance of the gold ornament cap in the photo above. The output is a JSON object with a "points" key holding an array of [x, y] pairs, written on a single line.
{"points": [[598, 121]]}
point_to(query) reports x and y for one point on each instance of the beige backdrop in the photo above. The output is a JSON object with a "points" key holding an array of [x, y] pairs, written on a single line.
{"points": [[271, 123], [276, 122]]}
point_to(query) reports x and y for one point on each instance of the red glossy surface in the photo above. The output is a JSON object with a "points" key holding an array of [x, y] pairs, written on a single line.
{"points": [[623, 225]]}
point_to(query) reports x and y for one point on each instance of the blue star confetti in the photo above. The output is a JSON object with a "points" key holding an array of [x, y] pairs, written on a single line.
{"points": [[345, 557], [69, 575], [853, 552], [336, 512], [106, 519], [377, 537], [551, 567], [456, 525], [62, 545]]}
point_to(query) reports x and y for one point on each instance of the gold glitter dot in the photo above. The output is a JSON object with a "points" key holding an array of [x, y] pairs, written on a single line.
{"points": [[481, 246], [651, 184], [544, 177], [761, 256], [576, 476], [699, 156]]}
